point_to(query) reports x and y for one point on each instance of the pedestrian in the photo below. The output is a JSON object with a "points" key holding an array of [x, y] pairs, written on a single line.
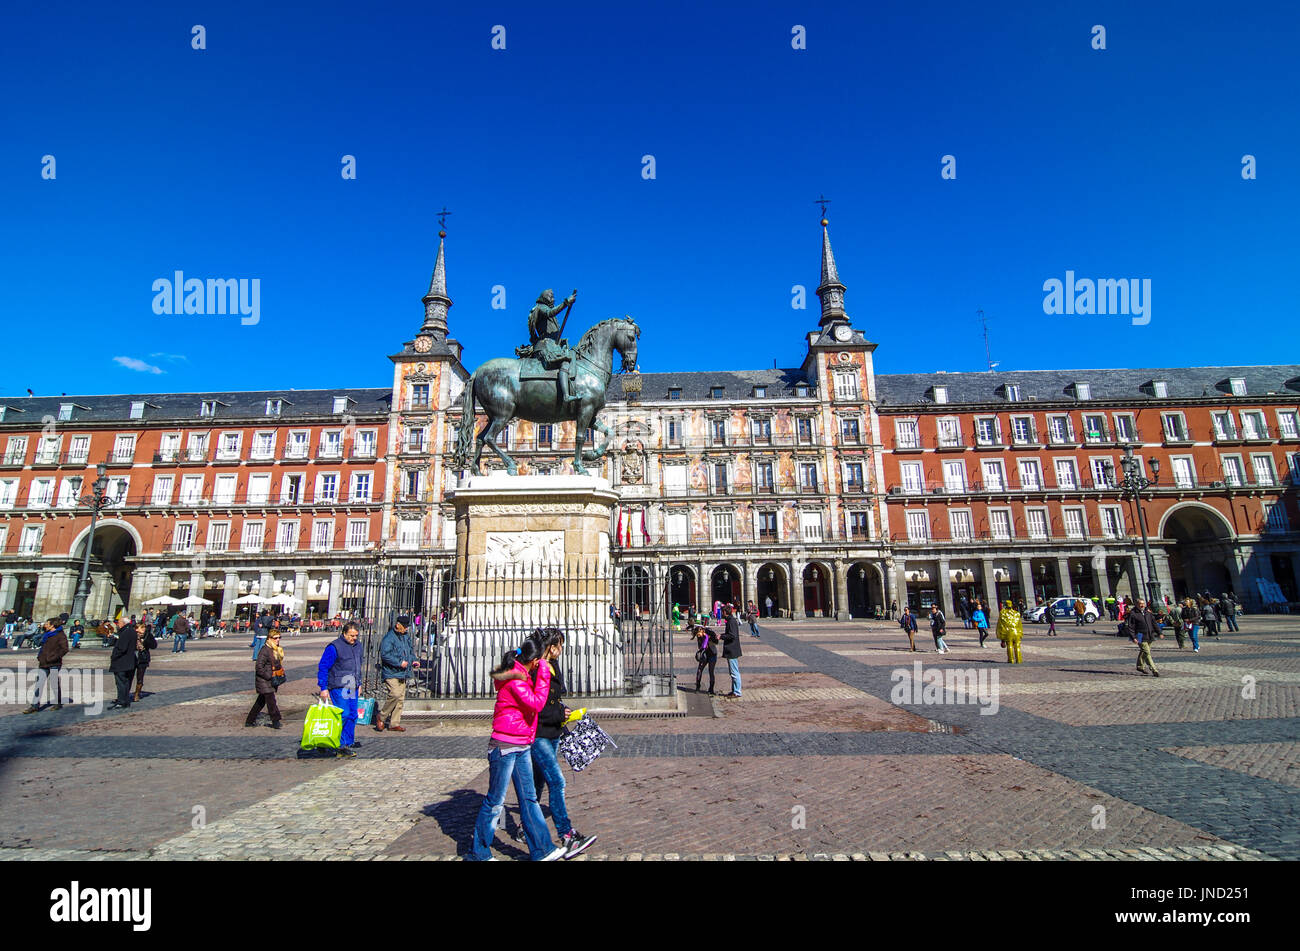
{"points": [[617, 617], [145, 642], [1209, 616], [1144, 628], [908, 623], [767, 601], [261, 629], [122, 663], [938, 627], [514, 729], [706, 654], [751, 616], [964, 612], [180, 632], [338, 675], [981, 622], [49, 660], [545, 753], [1228, 610], [1010, 631], [677, 616], [396, 659], [76, 633], [732, 653], [1050, 614], [1079, 608], [268, 674]]}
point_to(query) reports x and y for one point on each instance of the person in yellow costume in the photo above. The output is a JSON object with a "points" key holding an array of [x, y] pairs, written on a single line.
{"points": [[1009, 631]]}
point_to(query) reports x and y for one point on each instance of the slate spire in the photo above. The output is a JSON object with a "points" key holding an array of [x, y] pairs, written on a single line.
{"points": [[436, 302], [831, 291]]}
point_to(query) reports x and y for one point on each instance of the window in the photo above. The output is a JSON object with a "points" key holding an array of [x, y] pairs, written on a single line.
{"points": [[124, 449], [1059, 430], [117, 488], [1076, 525], [70, 492], [8, 493], [65, 412], [228, 446], [16, 451], [1160, 388], [1233, 471], [994, 475], [715, 392], [419, 394], [331, 443], [192, 488], [41, 494], [287, 536], [767, 526], [1175, 427], [674, 432], [223, 489], [1038, 523], [253, 534], [1022, 429], [412, 482], [808, 476], [218, 536], [906, 434], [801, 389], [918, 527], [1067, 474], [761, 430], [1238, 386], [183, 537], [360, 487], [853, 476], [960, 522], [1103, 473], [1263, 466], [358, 534], [1031, 474], [1252, 425], [327, 487], [502, 440], [296, 447], [675, 479], [810, 526], [1125, 428], [322, 535], [1013, 392], [1294, 462], [208, 408], [264, 446], [849, 432], [340, 404], [940, 394], [30, 542], [1287, 427], [259, 488], [1223, 426], [846, 386], [162, 490], [364, 445], [273, 407], [1083, 391], [986, 431], [760, 392], [859, 525], [1112, 521], [720, 478], [545, 435], [47, 450], [674, 392], [949, 432], [197, 450], [1275, 519], [954, 476], [718, 432], [912, 477], [805, 430], [1184, 474], [1094, 427], [169, 445], [676, 529], [722, 528], [1000, 524]]}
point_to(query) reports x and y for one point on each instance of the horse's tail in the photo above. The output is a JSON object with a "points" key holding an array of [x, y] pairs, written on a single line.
{"points": [[465, 434]]}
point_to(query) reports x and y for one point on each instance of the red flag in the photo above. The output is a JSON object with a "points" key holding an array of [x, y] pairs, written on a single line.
{"points": [[644, 533], [618, 532]]}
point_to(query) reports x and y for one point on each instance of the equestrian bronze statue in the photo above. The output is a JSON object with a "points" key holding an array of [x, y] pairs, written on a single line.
{"points": [[548, 383]]}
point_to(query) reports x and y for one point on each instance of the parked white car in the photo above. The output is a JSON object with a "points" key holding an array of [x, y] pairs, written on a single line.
{"points": [[1063, 609]]}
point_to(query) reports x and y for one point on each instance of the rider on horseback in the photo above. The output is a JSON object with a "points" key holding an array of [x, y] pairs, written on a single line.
{"points": [[544, 335]]}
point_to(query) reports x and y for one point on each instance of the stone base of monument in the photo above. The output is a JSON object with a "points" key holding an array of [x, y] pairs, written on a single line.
{"points": [[673, 705], [533, 552]]}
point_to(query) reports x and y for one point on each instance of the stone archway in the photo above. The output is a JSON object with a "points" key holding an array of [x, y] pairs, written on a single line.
{"points": [[634, 591], [817, 591], [865, 589], [724, 585], [112, 565], [681, 588], [1201, 555], [773, 583]]}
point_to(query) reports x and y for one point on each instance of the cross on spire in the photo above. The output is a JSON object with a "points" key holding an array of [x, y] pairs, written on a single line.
{"points": [[823, 201], [442, 218]]}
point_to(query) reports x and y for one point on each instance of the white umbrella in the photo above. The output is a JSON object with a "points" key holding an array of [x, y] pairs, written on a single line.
{"points": [[165, 599], [195, 599], [250, 599], [287, 600]]}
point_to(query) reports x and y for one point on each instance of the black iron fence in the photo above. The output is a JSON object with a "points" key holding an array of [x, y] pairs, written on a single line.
{"points": [[614, 618]]}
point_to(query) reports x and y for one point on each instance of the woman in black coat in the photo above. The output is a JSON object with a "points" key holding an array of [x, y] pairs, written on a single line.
{"points": [[144, 643], [122, 664]]}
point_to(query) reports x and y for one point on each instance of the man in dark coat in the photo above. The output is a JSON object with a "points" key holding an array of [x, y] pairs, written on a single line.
{"points": [[397, 659], [54, 644], [1144, 628], [731, 650], [122, 664]]}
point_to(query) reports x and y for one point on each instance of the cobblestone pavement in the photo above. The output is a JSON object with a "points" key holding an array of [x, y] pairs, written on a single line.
{"points": [[839, 749]]}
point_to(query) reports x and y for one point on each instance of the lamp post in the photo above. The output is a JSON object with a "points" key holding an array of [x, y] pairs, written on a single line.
{"points": [[96, 502], [1131, 487]]}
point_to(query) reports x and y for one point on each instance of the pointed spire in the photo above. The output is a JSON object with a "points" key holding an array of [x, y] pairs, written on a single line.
{"points": [[436, 302], [831, 291]]}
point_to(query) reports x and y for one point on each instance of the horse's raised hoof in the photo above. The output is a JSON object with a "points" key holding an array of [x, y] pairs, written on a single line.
{"points": [[580, 469]]}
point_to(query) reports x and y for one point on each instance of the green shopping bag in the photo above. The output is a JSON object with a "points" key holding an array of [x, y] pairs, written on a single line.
{"points": [[323, 728]]}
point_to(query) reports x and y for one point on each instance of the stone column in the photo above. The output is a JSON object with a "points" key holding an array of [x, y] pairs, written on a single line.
{"points": [[796, 589], [944, 584], [300, 589], [841, 590], [231, 594], [703, 590], [336, 591], [8, 592], [989, 585], [1137, 589], [1063, 577], [1027, 591], [196, 583], [1163, 577], [1099, 580], [900, 582], [888, 588], [266, 584]]}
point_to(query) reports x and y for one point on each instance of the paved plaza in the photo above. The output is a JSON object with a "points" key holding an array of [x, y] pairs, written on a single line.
{"points": [[1084, 758]]}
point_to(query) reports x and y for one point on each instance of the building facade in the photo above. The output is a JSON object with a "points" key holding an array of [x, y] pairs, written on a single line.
{"points": [[824, 489]]}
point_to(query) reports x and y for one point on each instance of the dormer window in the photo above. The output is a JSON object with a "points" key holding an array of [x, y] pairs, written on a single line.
{"points": [[273, 407], [674, 392], [760, 392], [137, 409], [1238, 386], [65, 412], [715, 392], [801, 389], [940, 394], [208, 408], [1160, 389], [1083, 391], [340, 404], [2, 413], [1013, 392]]}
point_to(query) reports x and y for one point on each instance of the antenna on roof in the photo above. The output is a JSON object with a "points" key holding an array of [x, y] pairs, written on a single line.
{"points": [[988, 356]]}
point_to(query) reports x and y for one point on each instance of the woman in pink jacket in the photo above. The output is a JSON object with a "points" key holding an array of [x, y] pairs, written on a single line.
{"points": [[514, 727]]}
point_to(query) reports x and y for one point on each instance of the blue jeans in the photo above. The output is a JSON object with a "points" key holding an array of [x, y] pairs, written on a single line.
{"points": [[733, 665], [547, 762], [1231, 621], [1196, 644], [178, 643], [258, 642], [346, 700], [501, 768]]}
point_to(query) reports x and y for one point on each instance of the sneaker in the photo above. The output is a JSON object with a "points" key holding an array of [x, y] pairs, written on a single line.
{"points": [[346, 751], [1196, 650], [555, 854], [575, 842], [1155, 673], [356, 745]]}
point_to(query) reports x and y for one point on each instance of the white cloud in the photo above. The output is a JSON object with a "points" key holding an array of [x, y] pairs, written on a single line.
{"points": [[175, 357], [131, 363]]}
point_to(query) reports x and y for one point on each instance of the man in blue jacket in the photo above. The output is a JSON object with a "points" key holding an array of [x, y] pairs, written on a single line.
{"points": [[338, 675], [396, 661]]}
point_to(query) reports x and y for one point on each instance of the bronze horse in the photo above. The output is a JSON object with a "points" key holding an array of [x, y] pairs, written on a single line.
{"points": [[509, 389]]}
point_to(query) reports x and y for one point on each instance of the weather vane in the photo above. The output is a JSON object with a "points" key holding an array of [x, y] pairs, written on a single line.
{"points": [[823, 201]]}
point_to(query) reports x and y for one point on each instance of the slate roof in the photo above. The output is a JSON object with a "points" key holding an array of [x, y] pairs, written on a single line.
{"points": [[696, 385], [247, 406]]}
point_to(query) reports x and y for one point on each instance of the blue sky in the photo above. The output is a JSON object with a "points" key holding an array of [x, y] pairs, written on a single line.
{"points": [[225, 163]]}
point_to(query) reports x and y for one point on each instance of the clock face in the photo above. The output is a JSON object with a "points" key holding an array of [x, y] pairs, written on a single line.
{"points": [[423, 344], [842, 332]]}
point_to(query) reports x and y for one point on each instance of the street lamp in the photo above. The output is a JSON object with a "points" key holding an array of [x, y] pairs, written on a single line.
{"points": [[1131, 487], [96, 502]]}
